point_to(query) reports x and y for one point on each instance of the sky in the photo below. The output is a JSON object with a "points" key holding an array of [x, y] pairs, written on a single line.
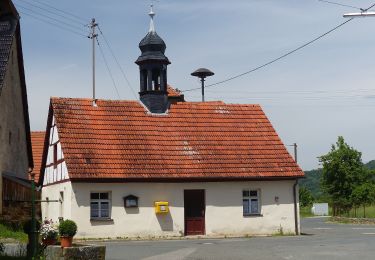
{"points": [[311, 97]]}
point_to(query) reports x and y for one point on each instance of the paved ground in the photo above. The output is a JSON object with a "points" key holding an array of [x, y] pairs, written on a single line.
{"points": [[322, 241]]}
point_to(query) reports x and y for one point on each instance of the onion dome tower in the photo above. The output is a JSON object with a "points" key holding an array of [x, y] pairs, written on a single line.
{"points": [[153, 70]]}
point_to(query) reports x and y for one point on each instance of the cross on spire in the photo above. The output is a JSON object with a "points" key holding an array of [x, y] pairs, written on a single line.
{"points": [[152, 14]]}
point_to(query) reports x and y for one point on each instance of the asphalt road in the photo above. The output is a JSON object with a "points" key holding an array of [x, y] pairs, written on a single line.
{"points": [[321, 241]]}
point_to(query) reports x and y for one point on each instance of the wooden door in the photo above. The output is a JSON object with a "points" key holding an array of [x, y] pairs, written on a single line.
{"points": [[195, 207]]}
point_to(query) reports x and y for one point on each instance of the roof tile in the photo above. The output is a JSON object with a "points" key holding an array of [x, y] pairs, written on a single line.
{"points": [[210, 140]]}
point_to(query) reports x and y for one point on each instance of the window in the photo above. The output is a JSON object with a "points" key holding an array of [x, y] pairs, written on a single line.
{"points": [[251, 205], [100, 205]]}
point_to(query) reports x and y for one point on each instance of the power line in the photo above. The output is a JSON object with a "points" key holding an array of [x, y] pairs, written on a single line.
{"points": [[108, 69], [339, 4], [53, 24], [52, 12], [49, 17], [59, 10], [118, 63], [276, 59]]}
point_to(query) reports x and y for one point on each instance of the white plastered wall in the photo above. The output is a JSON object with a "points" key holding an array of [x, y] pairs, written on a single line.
{"points": [[224, 214], [53, 209]]}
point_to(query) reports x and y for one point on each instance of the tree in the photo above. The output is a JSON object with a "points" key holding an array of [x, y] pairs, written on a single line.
{"points": [[305, 197], [343, 171], [364, 195]]}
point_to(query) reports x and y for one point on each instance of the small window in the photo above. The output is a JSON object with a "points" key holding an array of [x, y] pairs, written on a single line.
{"points": [[130, 201], [100, 205], [10, 137], [251, 205]]}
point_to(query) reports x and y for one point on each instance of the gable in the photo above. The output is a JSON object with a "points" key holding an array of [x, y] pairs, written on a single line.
{"points": [[54, 167]]}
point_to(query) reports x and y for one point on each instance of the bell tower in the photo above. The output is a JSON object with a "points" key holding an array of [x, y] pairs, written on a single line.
{"points": [[153, 70]]}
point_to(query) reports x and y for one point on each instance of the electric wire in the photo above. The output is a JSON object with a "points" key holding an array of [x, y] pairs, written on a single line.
{"points": [[59, 10], [53, 24], [108, 69], [276, 59], [339, 4], [118, 63], [50, 17], [52, 12]]}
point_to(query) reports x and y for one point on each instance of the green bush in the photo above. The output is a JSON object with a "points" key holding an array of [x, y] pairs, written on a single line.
{"points": [[67, 228], [27, 226]]}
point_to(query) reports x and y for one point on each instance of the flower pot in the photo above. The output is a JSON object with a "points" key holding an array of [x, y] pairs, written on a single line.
{"points": [[49, 241], [66, 241]]}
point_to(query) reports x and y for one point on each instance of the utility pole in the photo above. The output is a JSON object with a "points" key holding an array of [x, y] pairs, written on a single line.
{"points": [[295, 151], [93, 37], [34, 233]]}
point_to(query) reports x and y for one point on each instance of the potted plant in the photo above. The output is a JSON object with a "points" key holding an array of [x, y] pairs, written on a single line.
{"points": [[48, 232], [67, 230]]}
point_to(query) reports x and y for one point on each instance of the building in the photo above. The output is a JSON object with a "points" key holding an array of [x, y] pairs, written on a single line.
{"points": [[15, 146], [37, 142], [165, 167]]}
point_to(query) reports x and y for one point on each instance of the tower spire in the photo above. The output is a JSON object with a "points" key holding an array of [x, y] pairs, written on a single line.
{"points": [[152, 14]]}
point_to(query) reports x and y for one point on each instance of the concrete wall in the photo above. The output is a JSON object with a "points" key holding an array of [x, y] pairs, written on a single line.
{"points": [[224, 214], [13, 147]]}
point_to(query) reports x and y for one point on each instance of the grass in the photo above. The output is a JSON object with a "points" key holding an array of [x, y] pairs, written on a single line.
{"points": [[305, 212], [7, 232], [370, 212]]}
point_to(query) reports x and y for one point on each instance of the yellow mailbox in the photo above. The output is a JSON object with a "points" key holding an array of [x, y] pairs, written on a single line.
{"points": [[161, 207]]}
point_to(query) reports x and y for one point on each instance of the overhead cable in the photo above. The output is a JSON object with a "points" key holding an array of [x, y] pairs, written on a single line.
{"points": [[59, 10], [65, 17], [339, 4], [274, 60], [53, 24], [118, 63], [50, 17], [108, 69]]}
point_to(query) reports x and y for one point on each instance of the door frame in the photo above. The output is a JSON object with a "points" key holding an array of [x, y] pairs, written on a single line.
{"points": [[204, 210]]}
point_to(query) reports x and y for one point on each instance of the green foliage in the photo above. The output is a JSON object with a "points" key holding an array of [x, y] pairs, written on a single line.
{"points": [[305, 197], [67, 228], [343, 172], [312, 182], [364, 195], [370, 165], [305, 212], [27, 226], [8, 232]]}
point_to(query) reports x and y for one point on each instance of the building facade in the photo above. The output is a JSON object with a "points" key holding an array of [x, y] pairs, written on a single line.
{"points": [[15, 146], [162, 166]]}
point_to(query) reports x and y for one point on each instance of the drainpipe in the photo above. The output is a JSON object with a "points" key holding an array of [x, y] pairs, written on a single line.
{"points": [[295, 207]]}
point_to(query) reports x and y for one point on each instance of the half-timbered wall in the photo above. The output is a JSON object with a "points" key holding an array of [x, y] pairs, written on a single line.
{"points": [[55, 170]]}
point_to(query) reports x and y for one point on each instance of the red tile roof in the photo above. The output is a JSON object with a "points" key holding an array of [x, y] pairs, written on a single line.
{"points": [[173, 92], [37, 142], [120, 140]]}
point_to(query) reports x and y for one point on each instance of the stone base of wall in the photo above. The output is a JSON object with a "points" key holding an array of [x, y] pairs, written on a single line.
{"points": [[83, 252]]}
